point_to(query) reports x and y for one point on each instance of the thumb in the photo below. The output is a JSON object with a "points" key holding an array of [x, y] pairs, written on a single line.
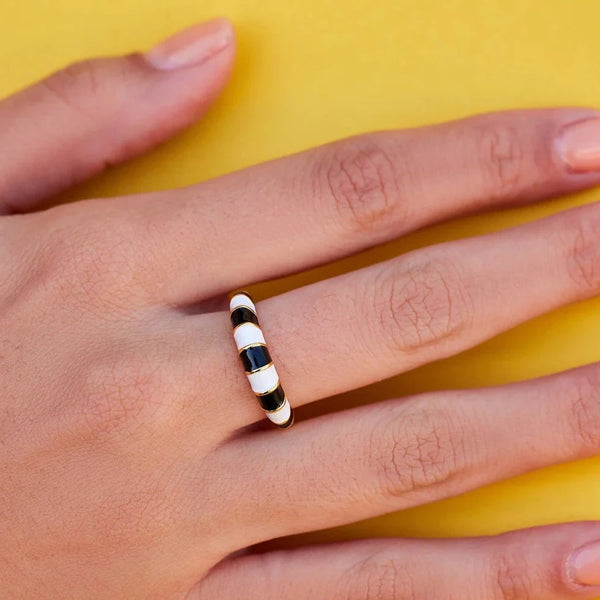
{"points": [[99, 112]]}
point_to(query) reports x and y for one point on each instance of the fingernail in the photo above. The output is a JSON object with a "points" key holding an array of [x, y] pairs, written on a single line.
{"points": [[191, 46], [584, 564], [579, 145]]}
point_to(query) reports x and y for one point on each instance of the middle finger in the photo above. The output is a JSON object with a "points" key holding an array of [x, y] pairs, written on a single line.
{"points": [[323, 204]]}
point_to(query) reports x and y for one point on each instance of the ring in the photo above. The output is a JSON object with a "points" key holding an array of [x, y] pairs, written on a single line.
{"points": [[257, 361]]}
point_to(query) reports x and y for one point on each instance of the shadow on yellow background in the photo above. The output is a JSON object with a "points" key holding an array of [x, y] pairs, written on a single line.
{"points": [[314, 70]]}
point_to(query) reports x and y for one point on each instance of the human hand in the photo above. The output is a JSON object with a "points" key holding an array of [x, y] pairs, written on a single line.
{"points": [[135, 461]]}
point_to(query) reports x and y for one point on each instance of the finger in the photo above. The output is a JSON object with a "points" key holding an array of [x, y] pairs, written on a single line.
{"points": [[320, 205], [352, 330], [392, 455], [104, 111], [554, 563]]}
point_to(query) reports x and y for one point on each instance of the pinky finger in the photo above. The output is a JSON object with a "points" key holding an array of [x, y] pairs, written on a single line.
{"points": [[550, 563]]}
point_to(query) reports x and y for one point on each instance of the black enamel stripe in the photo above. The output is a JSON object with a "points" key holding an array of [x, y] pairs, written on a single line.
{"points": [[242, 314], [273, 400], [255, 357]]}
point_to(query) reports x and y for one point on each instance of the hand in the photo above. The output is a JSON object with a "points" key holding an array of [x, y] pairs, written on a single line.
{"points": [[135, 461]]}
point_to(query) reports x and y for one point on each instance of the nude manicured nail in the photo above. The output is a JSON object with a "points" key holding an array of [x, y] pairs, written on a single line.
{"points": [[579, 145], [191, 46], [584, 564]]}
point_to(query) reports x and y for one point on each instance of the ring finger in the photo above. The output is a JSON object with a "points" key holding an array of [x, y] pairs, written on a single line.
{"points": [[343, 333]]}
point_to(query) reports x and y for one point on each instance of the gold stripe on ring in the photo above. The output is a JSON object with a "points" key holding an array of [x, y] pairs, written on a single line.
{"points": [[248, 323], [244, 306], [251, 346], [240, 293], [263, 368], [280, 407], [269, 391]]}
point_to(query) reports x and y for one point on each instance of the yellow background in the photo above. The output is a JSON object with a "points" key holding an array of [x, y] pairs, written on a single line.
{"points": [[310, 71]]}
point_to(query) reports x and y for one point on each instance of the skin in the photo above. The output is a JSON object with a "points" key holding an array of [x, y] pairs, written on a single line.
{"points": [[121, 476]]}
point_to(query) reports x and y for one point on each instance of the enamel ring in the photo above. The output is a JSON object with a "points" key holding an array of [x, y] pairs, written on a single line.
{"points": [[257, 361]]}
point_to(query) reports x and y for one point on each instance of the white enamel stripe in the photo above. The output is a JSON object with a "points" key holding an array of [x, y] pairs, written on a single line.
{"points": [[281, 416], [241, 300], [263, 381], [247, 334]]}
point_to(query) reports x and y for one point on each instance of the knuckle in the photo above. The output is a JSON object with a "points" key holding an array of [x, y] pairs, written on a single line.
{"points": [[122, 395], [499, 145], [417, 450], [360, 178], [83, 87], [583, 255], [514, 577], [583, 407], [75, 85], [92, 263], [379, 577], [421, 304]]}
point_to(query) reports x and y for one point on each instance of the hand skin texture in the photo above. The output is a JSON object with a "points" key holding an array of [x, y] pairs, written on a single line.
{"points": [[121, 477]]}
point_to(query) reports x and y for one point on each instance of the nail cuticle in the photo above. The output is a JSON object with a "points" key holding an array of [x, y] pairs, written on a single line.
{"points": [[582, 566], [578, 145]]}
